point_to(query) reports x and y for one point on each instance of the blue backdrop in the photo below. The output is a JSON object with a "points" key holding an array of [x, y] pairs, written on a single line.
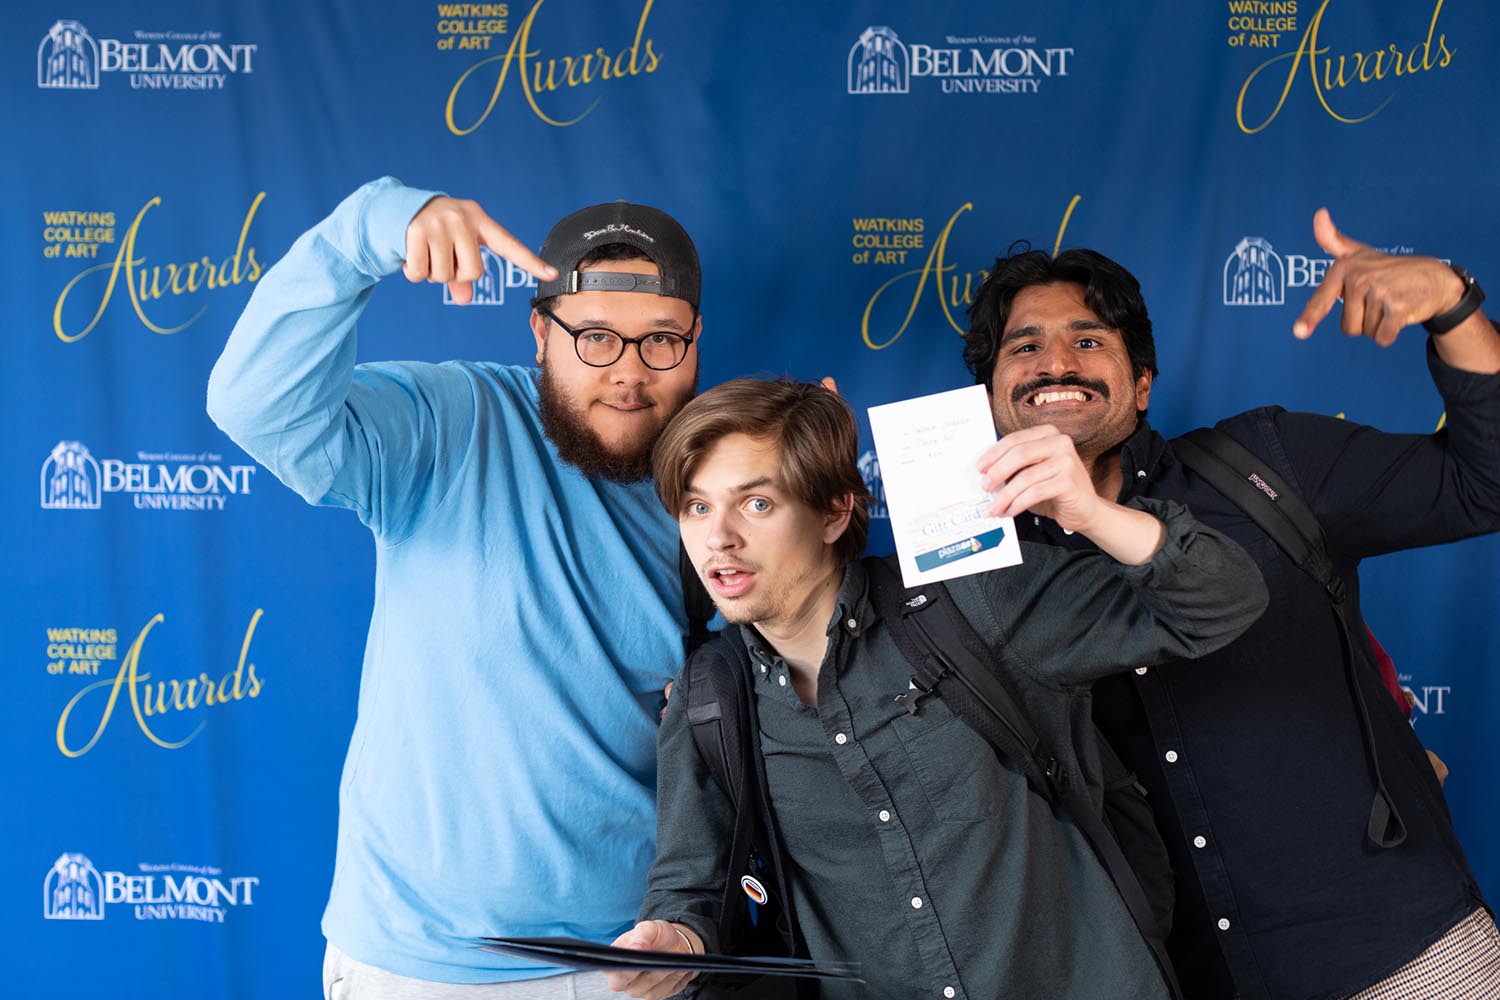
{"points": [[182, 635]]}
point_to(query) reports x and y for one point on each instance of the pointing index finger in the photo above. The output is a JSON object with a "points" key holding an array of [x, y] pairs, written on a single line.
{"points": [[1318, 306], [499, 239], [1331, 288]]}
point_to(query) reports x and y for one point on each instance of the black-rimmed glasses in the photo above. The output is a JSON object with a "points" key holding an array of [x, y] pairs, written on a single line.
{"points": [[600, 347]]}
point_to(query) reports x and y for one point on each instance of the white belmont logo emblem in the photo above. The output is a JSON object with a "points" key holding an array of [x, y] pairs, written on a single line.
{"points": [[70, 478], [72, 890], [67, 58], [878, 63], [1254, 275]]}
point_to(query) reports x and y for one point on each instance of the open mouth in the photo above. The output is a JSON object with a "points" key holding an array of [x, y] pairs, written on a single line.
{"points": [[729, 581]]}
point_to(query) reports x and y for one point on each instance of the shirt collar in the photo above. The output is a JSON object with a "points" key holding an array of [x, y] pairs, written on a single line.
{"points": [[1140, 456], [851, 605]]}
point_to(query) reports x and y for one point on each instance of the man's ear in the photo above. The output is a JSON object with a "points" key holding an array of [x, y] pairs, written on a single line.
{"points": [[539, 324], [1142, 392], [836, 521]]}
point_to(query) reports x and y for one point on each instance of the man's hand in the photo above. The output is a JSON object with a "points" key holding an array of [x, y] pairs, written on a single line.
{"points": [[1381, 293], [443, 241], [1037, 469], [654, 935]]}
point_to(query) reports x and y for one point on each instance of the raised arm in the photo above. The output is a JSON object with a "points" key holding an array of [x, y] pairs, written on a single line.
{"points": [[1087, 615], [1383, 294], [1378, 492], [286, 387]]}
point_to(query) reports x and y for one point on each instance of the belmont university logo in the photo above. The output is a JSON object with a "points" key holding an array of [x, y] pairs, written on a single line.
{"points": [[69, 58], [72, 479], [1256, 275], [880, 63], [74, 889]]}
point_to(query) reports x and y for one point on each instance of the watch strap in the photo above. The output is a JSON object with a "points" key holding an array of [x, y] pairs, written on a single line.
{"points": [[1473, 296]]}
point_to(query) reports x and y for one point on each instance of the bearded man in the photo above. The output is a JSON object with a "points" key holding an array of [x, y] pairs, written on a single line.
{"points": [[528, 603]]}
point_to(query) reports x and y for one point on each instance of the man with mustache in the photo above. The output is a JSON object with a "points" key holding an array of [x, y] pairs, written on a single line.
{"points": [[528, 603], [1314, 850]]}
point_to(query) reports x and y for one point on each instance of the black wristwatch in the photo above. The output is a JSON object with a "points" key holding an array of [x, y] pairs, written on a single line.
{"points": [[1473, 295]]}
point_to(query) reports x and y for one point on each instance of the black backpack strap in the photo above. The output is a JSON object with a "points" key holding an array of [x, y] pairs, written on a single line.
{"points": [[929, 628], [695, 601], [952, 660], [1275, 507], [1259, 491], [720, 710]]}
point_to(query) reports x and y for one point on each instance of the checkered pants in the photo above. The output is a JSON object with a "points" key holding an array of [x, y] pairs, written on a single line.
{"points": [[1462, 964]]}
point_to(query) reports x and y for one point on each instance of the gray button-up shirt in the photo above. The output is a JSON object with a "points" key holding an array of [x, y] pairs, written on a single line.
{"points": [[911, 848]]}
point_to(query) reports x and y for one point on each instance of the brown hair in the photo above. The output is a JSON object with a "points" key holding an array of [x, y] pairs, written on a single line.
{"points": [[812, 427]]}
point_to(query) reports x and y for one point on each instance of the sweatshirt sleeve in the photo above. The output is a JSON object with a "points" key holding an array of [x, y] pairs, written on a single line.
{"points": [[286, 388]]}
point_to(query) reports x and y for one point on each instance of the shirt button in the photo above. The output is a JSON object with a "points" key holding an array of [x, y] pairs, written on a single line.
{"points": [[764, 669], [1223, 923], [1141, 671], [916, 902], [885, 815], [852, 623], [841, 739], [1200, 842], [1171, 755], [782, 681], [949, 992], [1140, 473]]}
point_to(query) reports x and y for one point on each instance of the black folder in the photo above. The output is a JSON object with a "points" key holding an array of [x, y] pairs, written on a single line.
{"points": [[576, 954]]}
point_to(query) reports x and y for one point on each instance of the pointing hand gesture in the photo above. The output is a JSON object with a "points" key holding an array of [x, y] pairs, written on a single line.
{"points": [[443, 241], [1381, 293]]}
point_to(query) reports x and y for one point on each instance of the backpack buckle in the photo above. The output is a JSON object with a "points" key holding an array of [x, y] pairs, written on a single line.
{"points": [[912, 699]]}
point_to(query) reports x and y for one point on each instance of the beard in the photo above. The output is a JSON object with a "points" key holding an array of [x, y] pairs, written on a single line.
{"points": [[580, 445]]}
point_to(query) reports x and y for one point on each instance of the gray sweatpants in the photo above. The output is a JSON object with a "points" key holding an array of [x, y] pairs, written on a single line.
{"points": [[346, 979]]}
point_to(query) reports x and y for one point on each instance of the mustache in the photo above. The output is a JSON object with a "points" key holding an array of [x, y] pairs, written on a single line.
{"points": [[1020, 392]]}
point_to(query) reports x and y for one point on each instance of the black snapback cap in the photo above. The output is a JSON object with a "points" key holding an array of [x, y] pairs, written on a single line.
{"points": [[650, 230]]}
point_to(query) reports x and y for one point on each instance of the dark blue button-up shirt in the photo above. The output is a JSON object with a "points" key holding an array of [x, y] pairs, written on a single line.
{"points": [[1254, 755]]}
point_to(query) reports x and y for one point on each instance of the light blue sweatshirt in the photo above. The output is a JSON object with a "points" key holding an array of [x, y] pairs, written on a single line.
{"points": [[501, 776]]}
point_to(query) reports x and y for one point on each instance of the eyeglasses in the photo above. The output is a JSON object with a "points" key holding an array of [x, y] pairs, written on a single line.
{"points": [[600, 347]]}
